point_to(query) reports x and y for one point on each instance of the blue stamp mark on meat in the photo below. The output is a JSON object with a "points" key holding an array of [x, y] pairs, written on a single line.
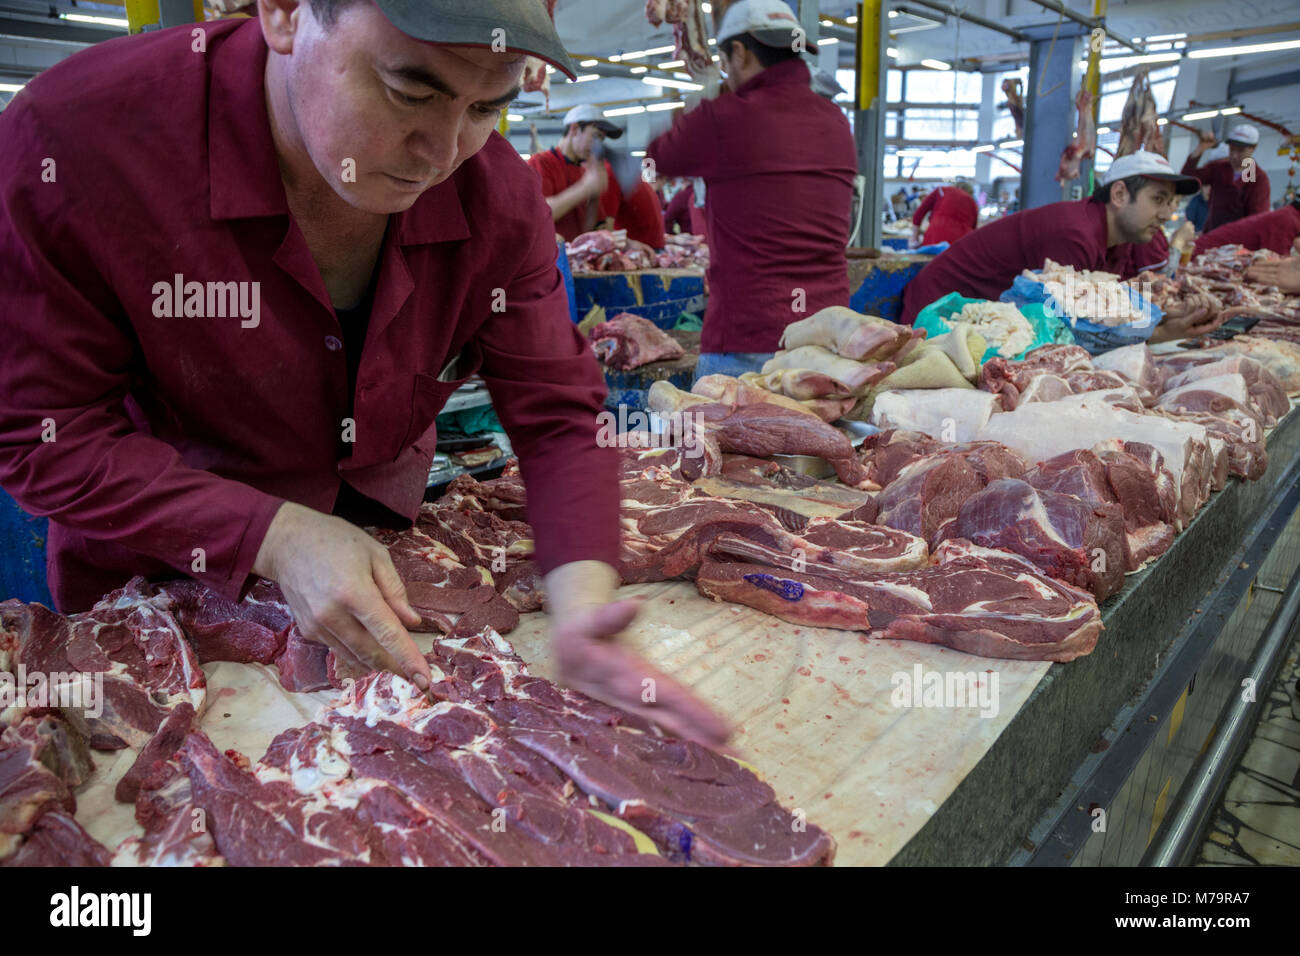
{"points": [[790, 590]]}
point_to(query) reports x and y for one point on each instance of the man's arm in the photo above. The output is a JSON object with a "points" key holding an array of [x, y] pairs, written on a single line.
{"points": [[547, 389], [922, 210], [1193, 158], [690, 147]]}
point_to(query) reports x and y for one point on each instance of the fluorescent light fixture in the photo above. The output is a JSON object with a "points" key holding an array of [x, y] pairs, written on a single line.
{"points": [[1229, 110], [1244, 50], [1205, 114], [616, 58], [892, 14], [982, 149], [672, 65], [1011, 144], [525, 155], [625, 111], [11, 87], [1167, 37], [660, 107], [638, 152], [102, 21], [827, 23], [588, 63], [707, 8], [1162, 122], [514, 117], [850, 19], [716, 58], [827, 41], [936, 64], [891, 51], [587, 78], [1102, 129], [639, 69], [550, 69], [675, 84]]}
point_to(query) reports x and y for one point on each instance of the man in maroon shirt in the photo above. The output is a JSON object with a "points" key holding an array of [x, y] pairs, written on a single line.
{"points": [[1278, 230], [1104, 232], [192, 283], [579, 186], [642, 214], [952, 211], [1238, 187], [778, 162]]}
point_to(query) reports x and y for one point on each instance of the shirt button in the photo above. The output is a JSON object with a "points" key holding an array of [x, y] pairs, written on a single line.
{"points": [[332, 343]]}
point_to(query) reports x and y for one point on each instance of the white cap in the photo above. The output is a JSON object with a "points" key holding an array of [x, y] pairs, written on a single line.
{"points": [[586, 113], [1243, 133], [1152, 166], [768, 21]]}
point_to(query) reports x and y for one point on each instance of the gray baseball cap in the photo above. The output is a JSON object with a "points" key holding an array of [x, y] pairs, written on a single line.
{"points": [[523, 26]]}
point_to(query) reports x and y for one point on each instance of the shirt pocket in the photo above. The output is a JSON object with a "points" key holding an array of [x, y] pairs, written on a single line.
{"points": [[430, 394]]}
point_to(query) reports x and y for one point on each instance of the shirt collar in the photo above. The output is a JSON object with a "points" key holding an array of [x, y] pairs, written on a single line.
{"points": [[243, 171]]}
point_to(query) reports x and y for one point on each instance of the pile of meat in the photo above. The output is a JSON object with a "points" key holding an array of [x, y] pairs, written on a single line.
{"points": [[609, 251], [499, 768], [628, 341], [1217, 280]]}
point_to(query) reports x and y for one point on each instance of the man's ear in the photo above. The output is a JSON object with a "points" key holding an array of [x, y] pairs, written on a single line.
{"points": [[1118, 194], [280, 23]]}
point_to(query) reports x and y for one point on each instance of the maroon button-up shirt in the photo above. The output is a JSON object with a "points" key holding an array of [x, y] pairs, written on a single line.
{"points": [[778, 162], [1231, 196], [984, 263], [160, 443]]}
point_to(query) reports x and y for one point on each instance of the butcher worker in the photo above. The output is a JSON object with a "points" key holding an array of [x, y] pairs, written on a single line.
{"points": [[231, 314], [1118, 229], [577, 182], [1238, 187], [952, 211], [778, 163]]}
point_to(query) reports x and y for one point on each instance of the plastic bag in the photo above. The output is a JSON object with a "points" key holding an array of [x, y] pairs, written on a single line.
{"points": [[1048, 330], [1093, 336]]}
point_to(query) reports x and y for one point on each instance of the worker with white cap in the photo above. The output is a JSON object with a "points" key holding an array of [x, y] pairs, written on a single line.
{"points": [[576, 180], [778, 162], [1117, 229], [1238, 187]]}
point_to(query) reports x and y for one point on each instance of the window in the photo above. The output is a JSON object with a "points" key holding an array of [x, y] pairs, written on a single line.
{"points": [[921, 124]]}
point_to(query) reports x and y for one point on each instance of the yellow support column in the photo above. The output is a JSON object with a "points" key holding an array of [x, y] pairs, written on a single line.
{"points": [[144, 15]]}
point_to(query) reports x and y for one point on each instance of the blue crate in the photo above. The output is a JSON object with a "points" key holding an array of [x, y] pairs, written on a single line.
{"points": [[22, 571], [653, 295], [881, 291]]}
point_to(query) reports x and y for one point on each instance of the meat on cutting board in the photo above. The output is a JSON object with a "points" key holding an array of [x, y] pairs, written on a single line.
{"points": [[1078, 541], [848, 334], [628, 341], [977, 600]]}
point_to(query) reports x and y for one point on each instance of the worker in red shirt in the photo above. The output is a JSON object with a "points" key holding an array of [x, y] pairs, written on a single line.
{"points": [[184, 387], [682, 214], [952, 211], [1238, 187], [1104, 232], [577, 182], [642, 214], [778, 161], [1278, 230]]}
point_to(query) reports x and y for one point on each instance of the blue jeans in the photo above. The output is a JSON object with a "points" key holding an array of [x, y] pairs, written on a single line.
{"points": [[730, 363]]}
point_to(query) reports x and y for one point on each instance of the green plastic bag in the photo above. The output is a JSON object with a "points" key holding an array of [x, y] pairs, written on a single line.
{"points": [[1048, 330]]}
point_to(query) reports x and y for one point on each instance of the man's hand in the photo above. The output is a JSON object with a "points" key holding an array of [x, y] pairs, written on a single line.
{"points": [[1283, 273], [1206, 141], [583, 623], [343, 590], [595, 178], [1200, 321]]}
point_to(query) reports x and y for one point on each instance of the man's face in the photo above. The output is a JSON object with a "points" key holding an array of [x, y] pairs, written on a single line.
{"points": [[583, 139], [1238, 153], [1138, 217], [405, 113]]}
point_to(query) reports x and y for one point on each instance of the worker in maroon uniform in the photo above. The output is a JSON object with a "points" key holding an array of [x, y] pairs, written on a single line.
{"points": [[1278, 230], [577, 182], [778, 162], [1238, 187], [952, 211], [228, 331], [682, 214], [642, 214], [1110, 231]]}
